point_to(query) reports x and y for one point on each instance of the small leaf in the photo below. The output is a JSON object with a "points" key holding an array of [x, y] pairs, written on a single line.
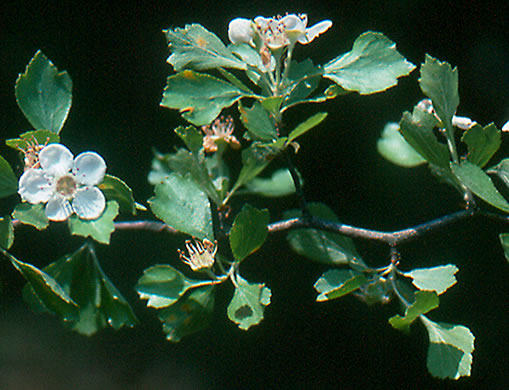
{"points": [[44, 94], [304, 78], [439, 82], [307, 125], [504, 240], [6, 232], [482, 143], [501, 170], [258, 122], [248, 303], [41, 137], [8, 181], [115, 189], [450, 349], [254, 160], [393, 147], [249, 231], [424, 302], [31, 214], [191, 137], [199, 97], [437, 279], [480, 184], [99, 229], [279, 184], [373, 65], [181, 204], [337, 283]]}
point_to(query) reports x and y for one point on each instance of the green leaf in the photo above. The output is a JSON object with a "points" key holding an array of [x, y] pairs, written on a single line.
{"points": [[6, 232], [393, 147], [199, 97], [31, 214], [424, 302], [258, 122], [439, 82], [191, 136], [501, 170], [279, 184], [100, 303], [307, 125], [304, 78], [181, 204], [48, 291], [480, 184], [115, 189], [450, 349], [249, 231], [99, 229], [248, 303], [437, 279], [417, 129], [189, 314], [163, 285], [482, 143], [197, 48], [336, 283], [504, 240], [40, 137], [321, 246], [254, 160], [44, 94], [373, 65], [8, 181]]}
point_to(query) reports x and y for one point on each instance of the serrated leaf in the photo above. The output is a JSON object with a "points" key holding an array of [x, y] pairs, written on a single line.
{"points": [[439, 82], [31, 214], [336, 283], [199, 97], [307, 125], [304, 78], [450, 349], [504, 240], [248, 303], [475, 179], [189, 314], [373, 65], [41, 137], [482, 143], [115, 189], [8, 181], [197, 48], [181, 204], [437, 279], [279, 184], [191, 137], [393, 147], [249, 231], [260, 125], [254, 160], [48, 291], [99, 229], [424, 302], [44, 94], [6, 232]]}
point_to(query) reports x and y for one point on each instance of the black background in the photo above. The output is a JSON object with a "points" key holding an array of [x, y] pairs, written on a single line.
{"points": [[116, 56]]}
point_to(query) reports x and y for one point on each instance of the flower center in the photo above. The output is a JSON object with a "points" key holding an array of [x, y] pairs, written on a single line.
{"points": [[66, 186]]}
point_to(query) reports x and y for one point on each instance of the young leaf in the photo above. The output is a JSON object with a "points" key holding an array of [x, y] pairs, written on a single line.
{"points": [[480, 184], [373, 65], [197, 48], [393, 147], [31, 214], [258, 122], [181, 204], [424, 302], [504, 240], [191, 136], [279, 184], [199, 97], [6, 232], [437, 279], [450, 349], [99, 229], [8, 181], [44, 94], [254, 160], [439, 82], [248, 303], [115, 189], [482, 143], [189, 314], [41, 137], [304, 78], [249, 231], [336, 283], [307, 125]]}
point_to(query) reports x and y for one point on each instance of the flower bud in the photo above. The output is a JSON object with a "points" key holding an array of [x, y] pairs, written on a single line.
{"points": [[240, 31]]}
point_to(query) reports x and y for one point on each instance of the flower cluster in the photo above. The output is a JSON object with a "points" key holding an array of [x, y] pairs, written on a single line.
{"points": [[66, 184]]}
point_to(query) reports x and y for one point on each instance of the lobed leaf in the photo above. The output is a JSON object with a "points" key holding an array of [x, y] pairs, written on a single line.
{"points": [[437, 279], [393, 147], [249, 231], [336, 283], [99, 229], [482, 143], [424, 302], [260, 125], [31, 214]]}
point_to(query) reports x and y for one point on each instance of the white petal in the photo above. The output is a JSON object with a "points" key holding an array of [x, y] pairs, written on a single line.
{"points": [[505, 127], [262, 22], [35, 187], [89, 203], [58, 208], [294, 23], [56, 159], [463, 122], [313, 32], [89, 168], [240, 31]]}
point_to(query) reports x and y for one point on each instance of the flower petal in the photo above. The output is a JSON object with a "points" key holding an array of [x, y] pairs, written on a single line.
{"points": [[240, 31], [35, 187], [89, 168], [313, 32], [58, 208], [56, 159], [89, 203]]}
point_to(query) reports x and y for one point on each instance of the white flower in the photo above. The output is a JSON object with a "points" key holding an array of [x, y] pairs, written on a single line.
{"points": [[505, 127], [65, 184], [201, 254], [240, 31]]}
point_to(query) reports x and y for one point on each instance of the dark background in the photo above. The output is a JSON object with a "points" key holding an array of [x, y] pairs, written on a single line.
{"points": [[116, 56]]}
